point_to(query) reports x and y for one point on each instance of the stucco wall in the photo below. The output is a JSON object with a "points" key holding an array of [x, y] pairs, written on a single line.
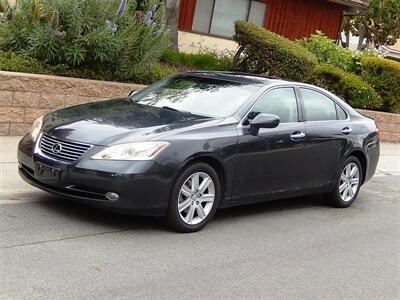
{"points": [[25, 97], [191, 42]]}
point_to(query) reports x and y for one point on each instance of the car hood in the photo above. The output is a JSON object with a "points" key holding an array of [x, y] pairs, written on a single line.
{"points": [[117, 121]]}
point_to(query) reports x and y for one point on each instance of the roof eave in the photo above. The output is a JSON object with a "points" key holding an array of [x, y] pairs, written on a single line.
{"points": [[392, 52], [351, 3]]}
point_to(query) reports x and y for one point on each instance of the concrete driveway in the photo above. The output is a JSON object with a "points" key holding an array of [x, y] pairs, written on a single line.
{"points": [[291, 249]]}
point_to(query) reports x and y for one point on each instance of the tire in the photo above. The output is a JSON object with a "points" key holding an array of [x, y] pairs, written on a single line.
{"points": [[346, 186], [189, 208]]}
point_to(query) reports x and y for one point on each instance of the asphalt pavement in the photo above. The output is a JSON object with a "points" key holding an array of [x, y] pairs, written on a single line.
{"points": [[289, 249]]}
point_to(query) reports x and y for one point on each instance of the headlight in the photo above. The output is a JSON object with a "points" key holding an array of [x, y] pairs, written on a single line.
{"points": [[132, 151], [36, 127]]}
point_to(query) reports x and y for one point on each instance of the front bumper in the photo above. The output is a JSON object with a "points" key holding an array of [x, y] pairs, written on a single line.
{"points": [[143, 186]]}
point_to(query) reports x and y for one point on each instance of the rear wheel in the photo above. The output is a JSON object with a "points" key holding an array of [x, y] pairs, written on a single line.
{"points": [[194, 198], [348, 183]]}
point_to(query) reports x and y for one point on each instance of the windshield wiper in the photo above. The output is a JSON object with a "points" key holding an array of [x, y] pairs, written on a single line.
{"points": [[188, 113], [170, 108], [174, 109]]}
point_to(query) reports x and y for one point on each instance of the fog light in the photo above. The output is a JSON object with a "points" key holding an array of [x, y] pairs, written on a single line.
{"points": [[112, 196]]}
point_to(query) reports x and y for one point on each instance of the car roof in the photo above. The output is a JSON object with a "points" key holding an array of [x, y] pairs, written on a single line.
{"points": [[264, 81], [235, 76]]}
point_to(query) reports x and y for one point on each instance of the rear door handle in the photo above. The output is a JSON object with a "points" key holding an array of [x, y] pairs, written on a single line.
{"points": [[346, 130], [298, 135]]}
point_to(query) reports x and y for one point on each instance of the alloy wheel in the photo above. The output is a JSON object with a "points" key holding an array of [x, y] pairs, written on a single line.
{"points": [[349, 182], [196, 198]]}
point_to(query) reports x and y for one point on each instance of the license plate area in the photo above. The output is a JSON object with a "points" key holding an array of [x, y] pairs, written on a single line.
{"points": [[47, 174]]}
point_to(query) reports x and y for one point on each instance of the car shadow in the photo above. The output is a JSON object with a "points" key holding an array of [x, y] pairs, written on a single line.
{"points": [[87, 215], [269, 207]]}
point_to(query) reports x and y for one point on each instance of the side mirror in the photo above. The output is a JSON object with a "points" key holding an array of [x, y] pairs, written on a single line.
{"points": [[263, 121], [133, 92]]}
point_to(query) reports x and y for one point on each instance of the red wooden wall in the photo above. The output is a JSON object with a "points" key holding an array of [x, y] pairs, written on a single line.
{"points": [[186, 14], [299, 18], [291, 18]]}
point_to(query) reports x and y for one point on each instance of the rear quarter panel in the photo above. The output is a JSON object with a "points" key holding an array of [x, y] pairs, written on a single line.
{"points": [[367, 141]]}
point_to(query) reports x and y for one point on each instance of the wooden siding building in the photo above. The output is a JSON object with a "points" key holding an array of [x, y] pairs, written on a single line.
{"points": [[293, 19]]}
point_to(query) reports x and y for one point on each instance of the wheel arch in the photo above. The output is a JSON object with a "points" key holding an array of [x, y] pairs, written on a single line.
{"points": [[215, 162], [363, 161]]}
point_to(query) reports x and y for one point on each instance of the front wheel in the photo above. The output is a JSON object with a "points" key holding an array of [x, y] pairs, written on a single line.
{"points": [[348, 183], [194, 198]]}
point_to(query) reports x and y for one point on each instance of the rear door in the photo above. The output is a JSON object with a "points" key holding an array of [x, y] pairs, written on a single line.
{"points": [[328, 130]]}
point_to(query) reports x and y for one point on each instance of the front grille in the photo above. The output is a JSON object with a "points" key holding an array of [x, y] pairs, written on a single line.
{"points": [[61, 149]]}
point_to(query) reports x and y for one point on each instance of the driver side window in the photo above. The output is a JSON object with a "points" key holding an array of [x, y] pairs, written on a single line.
{"points": [[280, 102]]}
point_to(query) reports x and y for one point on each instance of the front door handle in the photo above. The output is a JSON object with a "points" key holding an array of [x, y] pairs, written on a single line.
{"points": [[298, 135], [346, 130]]}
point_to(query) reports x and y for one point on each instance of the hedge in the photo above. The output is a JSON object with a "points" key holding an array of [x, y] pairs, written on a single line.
{"points": [[12, 62], [351, 88], [196, 61], [264, 52], [384, 76]]}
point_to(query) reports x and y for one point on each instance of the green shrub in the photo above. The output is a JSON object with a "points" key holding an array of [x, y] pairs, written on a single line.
{"points": [[264, 52], [142, 47], [90, 34], [155, 73], [384, 76], [12, 62], [327, 52], [9, 61], [349, 87], [64, 70], [198, 61]]}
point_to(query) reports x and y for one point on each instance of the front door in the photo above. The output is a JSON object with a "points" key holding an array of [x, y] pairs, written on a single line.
{"points": [[271, 162]]}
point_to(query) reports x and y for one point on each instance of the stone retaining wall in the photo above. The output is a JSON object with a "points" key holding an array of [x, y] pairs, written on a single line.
{"points": [[24, 97], [388, 123]]}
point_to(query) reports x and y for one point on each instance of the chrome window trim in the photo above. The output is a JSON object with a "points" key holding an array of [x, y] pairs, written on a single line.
{"points": [[262, 93], [323, 92]]}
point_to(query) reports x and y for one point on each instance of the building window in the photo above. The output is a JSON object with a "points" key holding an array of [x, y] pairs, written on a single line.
{"points": [[218, 16]]}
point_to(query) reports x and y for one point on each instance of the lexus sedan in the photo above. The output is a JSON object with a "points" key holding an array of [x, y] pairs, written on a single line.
{"points": [[198, 141]]}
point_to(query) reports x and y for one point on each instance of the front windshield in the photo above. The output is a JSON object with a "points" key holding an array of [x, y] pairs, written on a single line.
{"points": [[197, 95]]}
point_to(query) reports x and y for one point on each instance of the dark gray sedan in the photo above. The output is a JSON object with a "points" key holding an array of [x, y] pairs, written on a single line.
{"points": [[198, 141]]}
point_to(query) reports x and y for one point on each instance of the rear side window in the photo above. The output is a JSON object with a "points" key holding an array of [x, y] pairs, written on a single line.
{"points": [[280, 102], [317, 106], [341, 114]]}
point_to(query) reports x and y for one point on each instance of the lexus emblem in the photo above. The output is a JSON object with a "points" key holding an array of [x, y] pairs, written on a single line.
{"points": [[56, 148]]}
